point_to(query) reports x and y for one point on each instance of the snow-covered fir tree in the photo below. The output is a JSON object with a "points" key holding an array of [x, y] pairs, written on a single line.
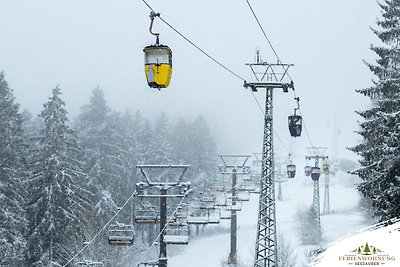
{"points": [[59, 203], [380, 127], [103, 139], [12, 216]]}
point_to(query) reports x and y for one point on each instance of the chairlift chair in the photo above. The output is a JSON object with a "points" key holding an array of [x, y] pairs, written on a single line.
{"points": [[89, 263], [181, 213], [221, 169], [249, 185], [120, 235], [235, 207], [208, 198], [147, 215], [243, 196], [225, 214], [177, 234], [214, 216], [218, 185], [198, 216], [146, 264], [221, 201]]}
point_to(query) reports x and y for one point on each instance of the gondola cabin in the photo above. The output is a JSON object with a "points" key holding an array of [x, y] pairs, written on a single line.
{"points": [[291, 170], [307, 170], [325, 169], [158, 65], [315, 173], [295, 125]]}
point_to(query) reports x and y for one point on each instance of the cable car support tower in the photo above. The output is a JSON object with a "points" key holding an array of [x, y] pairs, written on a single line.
{"points": [[317, 154], [269, 77]]}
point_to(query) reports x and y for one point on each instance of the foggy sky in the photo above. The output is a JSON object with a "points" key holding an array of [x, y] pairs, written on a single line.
{"points": [[79, 45]]}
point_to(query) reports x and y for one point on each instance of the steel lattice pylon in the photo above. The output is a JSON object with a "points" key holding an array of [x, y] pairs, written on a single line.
{"points": [[327, 208], [316, 153], [268, 77], [316, 205], [266, 226]]}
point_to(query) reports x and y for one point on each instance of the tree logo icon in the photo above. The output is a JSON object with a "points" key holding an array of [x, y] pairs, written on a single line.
{"points": [[367, 250]]}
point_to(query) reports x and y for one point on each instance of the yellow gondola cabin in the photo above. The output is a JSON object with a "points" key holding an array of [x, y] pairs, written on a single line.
{"points": [[158, 65]]}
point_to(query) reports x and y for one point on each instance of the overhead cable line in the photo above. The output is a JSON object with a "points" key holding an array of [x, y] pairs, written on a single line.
{"points": [[305, 128], [262, 29], [194, 45], [219, 63], [101, 230], [279, 61]]}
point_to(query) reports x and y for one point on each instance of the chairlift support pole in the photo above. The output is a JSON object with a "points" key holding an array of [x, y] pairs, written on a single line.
{"points": [[163, 221], [163, 186], [233, 254], [232, 259], [317, 154], [271, 76]]}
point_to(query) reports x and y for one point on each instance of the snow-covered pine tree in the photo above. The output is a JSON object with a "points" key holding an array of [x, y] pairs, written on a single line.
{"points": [[380, 128], [103, 139], [131, 147], [59, 203], [12, 215]]}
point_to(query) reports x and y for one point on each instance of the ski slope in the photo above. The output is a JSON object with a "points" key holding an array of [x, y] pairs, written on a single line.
{"points": [[211, 247]]}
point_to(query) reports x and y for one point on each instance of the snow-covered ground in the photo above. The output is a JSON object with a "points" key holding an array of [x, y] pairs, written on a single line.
{"points": [[211, 247]]}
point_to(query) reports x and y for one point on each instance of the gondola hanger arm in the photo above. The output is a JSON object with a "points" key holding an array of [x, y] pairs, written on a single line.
{"points": [[152, 16]]}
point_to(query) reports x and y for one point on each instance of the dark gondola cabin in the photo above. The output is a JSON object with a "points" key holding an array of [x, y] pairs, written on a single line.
{"points": [[307, 170], [158, 65], [315, 173], [291, 170], [295, 125]]}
